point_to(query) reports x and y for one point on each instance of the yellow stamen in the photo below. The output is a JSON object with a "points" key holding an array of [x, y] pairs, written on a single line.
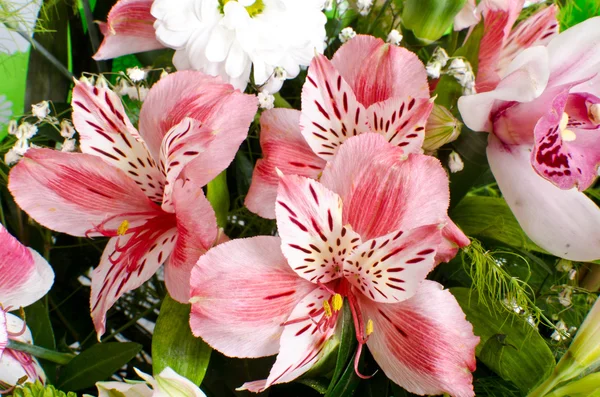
{"points": [[123, 227], [369, 327], [327, 309], [337, 302], [565, 134]]}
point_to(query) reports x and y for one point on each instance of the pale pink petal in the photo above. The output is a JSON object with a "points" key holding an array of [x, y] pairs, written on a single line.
{"points": [[454, 238], [196, 233], [129, 261], [563, 222], [204, 98], [424, 344], [377, 71], [105, 131], [129, 29], [302, 342], [15, 365], [25, 276], [330, 112], [390, 268], [82, 193], [567, 164], [401, 121], [309, 221], [3, 332], [244, 322], [283, 148], [468, 16]]}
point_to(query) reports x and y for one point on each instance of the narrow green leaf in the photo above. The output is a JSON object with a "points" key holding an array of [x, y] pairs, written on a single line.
{"points": [[173, 344], [509, 345], [95, 364], [347, 384], [346, 347]]}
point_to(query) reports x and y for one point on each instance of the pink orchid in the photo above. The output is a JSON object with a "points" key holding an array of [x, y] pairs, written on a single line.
{"points": [[545, 118], [368, 86], [25, 277], [143, 189], [129, 29], [368, 233]]}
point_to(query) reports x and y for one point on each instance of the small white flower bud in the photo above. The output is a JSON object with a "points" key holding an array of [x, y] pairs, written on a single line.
{"points": [[102, 83], [440, 55], [455, 163], [364, 6], [11, 157], [433, 69], [40, 110], [136, 74], [66, 129], [12, 127], [266, 100], [26, 131], [68, 145], [347, 34], [394, 37]]}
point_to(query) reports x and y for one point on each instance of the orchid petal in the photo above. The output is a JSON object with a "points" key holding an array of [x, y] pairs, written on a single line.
{"points": [[127, 262], [302, 342], [309, 220], [563, 222], [129, 29], [402, 122], [196, 233], [25, 276], [82, 193], [330, 112], [204, 98], [244, 322], [417, 349], [377, 71], [106, 132], [283, 148], [390, 268]]}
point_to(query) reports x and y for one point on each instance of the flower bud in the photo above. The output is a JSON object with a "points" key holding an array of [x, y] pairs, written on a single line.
{"points": [[442, 128], [585, 348], [455, 163], [430, 19]]}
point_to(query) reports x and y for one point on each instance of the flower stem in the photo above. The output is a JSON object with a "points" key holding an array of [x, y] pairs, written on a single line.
{"points": [[280, 102], [40, 352], [565, 369]]}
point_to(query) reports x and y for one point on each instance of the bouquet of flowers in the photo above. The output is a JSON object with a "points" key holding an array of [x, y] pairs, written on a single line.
{"points": [[300, 198]]}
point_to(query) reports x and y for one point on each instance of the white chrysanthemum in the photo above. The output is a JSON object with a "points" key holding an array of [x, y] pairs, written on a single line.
{"points": [[227, 37], [5, 110]]}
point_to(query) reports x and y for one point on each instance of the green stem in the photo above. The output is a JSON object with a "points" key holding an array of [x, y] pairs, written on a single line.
{"points": [[218, 196], [565, 369], [280, 102], [40, 352]]}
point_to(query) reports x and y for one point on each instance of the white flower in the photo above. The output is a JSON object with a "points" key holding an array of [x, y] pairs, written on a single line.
{"points": [[228, 38], [266, 100], [564, 296], [40, 110], [347, 34], [136, 74], [11, 157], [26, 131], [394, 37], [440, 55], [66, 129], [167, 383], [433, 69], [12, 127], [572, 274], [560, 333], [68, 145], [5, 110], [455, 163], [364, 6]]}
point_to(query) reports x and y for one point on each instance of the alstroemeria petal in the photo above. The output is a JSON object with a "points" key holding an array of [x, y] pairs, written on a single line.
{"points": [[3, 332], [129, 29], [14, 365], [196, 233], [25, 276], [423, 344], [567, 164], [283, 148], [107, 389], [377, 71], [309, 220], [390, 268], [330, 112], [301, 342], [563, 222], [401, 121], [198, 96], [81, 192], [244, 322], [105, 131], [127, 262]]}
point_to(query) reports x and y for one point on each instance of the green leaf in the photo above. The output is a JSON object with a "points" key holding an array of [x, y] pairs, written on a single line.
{"points": [[95, 364], [430, 19], [491, 217], [347, 346], [218, 195], [509, 345], [173, 344], [347, 384]]}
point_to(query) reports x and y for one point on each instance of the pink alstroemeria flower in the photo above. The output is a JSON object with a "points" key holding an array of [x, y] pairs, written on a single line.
{"points": [[25, 277], [368, 233], [143, 189], [545, 118]]}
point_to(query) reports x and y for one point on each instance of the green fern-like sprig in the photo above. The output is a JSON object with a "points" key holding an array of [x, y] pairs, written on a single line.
{"points": [[38, 390]]}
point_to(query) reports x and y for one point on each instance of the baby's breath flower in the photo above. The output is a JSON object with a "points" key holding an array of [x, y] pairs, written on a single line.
{"points": [[394, 37], [347, 34], [40, 110]]}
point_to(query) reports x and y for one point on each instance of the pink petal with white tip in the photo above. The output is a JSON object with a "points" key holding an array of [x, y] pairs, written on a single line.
{"points": [[377, 71], [196, 233], [424, 344], [390, 268], [313, 238], [82, 193], [25, 276], [283, 148], [244, 322], [105, 131], [129, 29], [302, 341], [330, 112]]}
